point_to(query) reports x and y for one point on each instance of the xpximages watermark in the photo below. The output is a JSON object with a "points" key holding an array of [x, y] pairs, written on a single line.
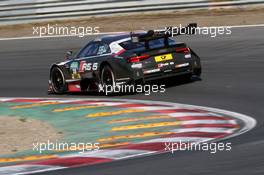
{"points": [[147, 89], [212, 31], [189, 146], [56, 30], [65, 146]]}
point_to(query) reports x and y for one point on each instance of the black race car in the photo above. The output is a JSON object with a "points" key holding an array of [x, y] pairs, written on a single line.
{"points": [[127, 58]]}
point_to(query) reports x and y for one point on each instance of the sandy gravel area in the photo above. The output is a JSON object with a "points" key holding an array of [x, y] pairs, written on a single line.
{"points": [[18, 134]]}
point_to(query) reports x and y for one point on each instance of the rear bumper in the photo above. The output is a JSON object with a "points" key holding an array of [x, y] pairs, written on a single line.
{"points": [[191, 66], [172, 73], [145, 75]]}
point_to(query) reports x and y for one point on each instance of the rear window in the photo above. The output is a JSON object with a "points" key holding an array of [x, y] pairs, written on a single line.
{"points": [[129, 45]]}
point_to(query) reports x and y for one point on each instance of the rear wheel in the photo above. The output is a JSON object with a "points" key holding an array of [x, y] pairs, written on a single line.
{"points": [[187, 77], [57, 80], [197, 72], [107, 80], [107, 76]]}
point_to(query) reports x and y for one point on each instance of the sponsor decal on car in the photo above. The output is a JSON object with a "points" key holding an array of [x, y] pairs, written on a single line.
{"points": [[188, 56], [151, 71], [163, 57], [160, 65], [74, 66], [84, 66], [76, 76], [136, 66], [182, 65]]}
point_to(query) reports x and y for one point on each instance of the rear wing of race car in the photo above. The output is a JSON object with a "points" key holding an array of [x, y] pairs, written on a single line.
{"points": [[166, 33]]}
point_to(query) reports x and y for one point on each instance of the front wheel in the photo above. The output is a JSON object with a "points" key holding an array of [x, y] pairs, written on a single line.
{"points": [[57, 80]]}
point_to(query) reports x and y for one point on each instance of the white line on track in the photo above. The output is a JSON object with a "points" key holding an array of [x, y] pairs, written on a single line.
{"points": [[194, 122], [105, 33], [56, 36], [247, 26], [113, 154], [23, 169], [179, 139], [204, 129], [192, 114]]}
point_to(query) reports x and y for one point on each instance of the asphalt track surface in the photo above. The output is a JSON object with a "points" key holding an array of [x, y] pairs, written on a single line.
{"points": [[233, 69]]}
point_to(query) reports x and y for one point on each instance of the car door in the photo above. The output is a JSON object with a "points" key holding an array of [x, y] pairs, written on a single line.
{"points": [[92, 56]]}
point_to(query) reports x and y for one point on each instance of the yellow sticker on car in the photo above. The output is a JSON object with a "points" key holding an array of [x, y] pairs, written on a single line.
{"points": [[165, 57]]}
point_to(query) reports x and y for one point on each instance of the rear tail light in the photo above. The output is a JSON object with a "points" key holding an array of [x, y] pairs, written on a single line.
{"points": [[137, 59], [183, 50]]}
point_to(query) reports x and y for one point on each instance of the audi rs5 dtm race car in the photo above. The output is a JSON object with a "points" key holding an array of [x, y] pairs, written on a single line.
{"points": [[127, 58]]}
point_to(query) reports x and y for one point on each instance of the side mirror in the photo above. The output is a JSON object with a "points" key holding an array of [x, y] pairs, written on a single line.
{"points": [[68, 55]]}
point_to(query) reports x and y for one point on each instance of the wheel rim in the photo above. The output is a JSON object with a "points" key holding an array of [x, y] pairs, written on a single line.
{"points": [[107, 77], [57, 80]]}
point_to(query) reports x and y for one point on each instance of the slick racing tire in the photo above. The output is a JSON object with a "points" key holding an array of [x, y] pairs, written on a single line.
{"points": [[58, 83], [197, 72], [187, 77], [107, 76]]}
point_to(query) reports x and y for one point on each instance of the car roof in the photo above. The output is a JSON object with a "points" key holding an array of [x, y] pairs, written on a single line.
{"points": [[111, 38]]}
